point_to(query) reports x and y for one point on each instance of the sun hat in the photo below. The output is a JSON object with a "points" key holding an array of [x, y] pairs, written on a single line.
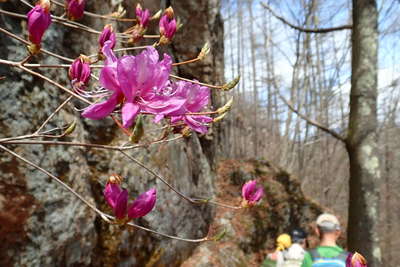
{"points": [[328, 222]]}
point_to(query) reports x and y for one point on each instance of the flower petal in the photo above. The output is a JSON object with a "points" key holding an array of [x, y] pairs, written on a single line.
{"points": [[143, 204], [101, 110], [197, 123], [127, 69], [108, 78], [164, 105], [248, 189], [121, 204], [111, 193], [108, 52], [129, 113]]}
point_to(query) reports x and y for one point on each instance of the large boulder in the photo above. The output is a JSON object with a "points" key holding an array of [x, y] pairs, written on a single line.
{"points": [[251, 233]]}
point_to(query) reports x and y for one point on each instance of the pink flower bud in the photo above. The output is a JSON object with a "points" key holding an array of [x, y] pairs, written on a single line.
{"points": [[107, 34], [251, 193], [75, 8], [143, 16], [167, 28], [143, 204], [39, 20], [79, 72], [356, 260]]}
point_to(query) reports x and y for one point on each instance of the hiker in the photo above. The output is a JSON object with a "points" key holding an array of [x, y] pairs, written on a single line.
{"points": [[294, 255], [283, 242], [328, 253]]}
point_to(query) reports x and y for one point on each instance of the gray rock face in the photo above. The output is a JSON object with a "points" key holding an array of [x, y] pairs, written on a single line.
{"points": [[42, 224]]}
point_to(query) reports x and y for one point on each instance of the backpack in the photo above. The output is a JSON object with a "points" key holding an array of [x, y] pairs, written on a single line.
{"points": [[293, 256], [292, 263], [319, 261]]}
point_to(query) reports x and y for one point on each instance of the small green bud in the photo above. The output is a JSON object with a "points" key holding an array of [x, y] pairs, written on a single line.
{"points": [[157, 15], [231, 84], [219, 118], [186, 132], [225, 108], [204, 51], [138, 131], [220, 235], [71, 128]]}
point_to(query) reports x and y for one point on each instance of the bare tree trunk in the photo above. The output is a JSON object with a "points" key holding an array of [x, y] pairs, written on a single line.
{"points": [[365, 177], [254, 78]]}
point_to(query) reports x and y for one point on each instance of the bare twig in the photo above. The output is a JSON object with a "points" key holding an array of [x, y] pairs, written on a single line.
{"points": [[54, 83], [53, 114], [311, 121], [103, 215], [16, 141], [196, 82], [316, 30], [187, 198], [28, 43]]}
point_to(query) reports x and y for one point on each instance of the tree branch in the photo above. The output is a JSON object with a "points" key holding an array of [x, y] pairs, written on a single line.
{"points": [[307, 30], [103, 215], [311, 121]]}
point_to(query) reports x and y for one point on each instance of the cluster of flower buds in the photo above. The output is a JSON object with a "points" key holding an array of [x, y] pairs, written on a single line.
{"points": [[117, 198], [75, 9], [356, 260], [39, 19], [107, 34], [143, 18], [79, 72], [168, 26], [251, 193], [141, 84]]}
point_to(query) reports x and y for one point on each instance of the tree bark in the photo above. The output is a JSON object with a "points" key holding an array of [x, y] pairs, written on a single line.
{"points": [[365, 177]]}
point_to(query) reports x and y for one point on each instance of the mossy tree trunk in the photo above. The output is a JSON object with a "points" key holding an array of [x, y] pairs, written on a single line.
{"points": [[365, 177]]}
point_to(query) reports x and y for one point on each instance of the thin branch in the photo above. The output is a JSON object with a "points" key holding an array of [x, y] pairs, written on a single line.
{"points": [[90, 14], [54, 83], [315, 30], [311, 121], [28, 43], [53, 114], [189, 199], [28, 162], [103, 215], [17, 141], [196, 82]]}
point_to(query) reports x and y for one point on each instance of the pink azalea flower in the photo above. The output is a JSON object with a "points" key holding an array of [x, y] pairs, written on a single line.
{"points": [[39, 19], [356, 260], [79, 72], [251, 193], [197, 98], [107, 34], [134, 82], [75, 8], [117, 198]]}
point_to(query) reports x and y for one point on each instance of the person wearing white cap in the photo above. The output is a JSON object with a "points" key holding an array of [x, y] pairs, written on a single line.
{"points": [[328, 253]]}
